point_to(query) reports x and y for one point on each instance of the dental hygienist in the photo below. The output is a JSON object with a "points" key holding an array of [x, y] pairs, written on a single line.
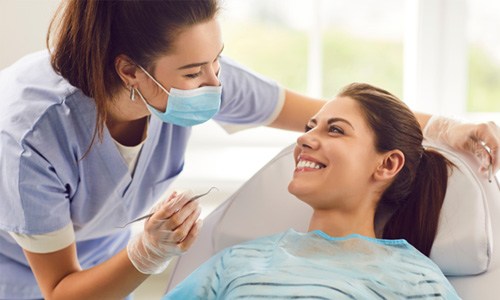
{"points": [[93, 132]]}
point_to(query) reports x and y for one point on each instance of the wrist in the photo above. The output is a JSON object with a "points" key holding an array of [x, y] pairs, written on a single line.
{"points": [[145, 257]]}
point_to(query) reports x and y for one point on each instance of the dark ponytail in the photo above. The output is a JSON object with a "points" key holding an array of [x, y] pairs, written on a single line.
{"points": [[86, 36], [416, 220], [82, 50], [416, 194]]}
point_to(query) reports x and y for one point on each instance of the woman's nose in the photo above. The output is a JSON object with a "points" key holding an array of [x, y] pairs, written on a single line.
{"points": [[308, 140], [212, 77]]}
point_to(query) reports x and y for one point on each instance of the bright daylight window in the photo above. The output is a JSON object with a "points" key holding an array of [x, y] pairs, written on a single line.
{"points": [[484, 56]]}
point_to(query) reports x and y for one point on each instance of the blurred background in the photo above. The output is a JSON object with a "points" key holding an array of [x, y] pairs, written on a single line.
{"points": [[439, 56]]}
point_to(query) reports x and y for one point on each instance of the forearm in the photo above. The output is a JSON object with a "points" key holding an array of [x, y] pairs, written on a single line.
{"points": [[422, 118], [297, 111], [114, 279], [169, 232]]}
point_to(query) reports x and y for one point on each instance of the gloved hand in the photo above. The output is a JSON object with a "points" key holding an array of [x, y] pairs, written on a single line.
{"points": [[170, 231], [467, 137]]}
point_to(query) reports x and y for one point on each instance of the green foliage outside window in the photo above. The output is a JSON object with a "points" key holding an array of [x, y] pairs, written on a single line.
{"points": [[484, 82], [349, 59], [281, 53], [276, 52]]}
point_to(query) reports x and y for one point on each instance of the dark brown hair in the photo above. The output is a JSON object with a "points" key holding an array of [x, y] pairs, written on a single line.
{"points": [[416, 195], [87, 36]]}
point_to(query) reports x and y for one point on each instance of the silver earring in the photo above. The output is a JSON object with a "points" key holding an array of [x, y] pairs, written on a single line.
{"points": [[132, 94]]}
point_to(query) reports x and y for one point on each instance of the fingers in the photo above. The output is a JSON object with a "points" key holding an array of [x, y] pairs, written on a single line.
{"points": [[169, 232], [172, 205], [492, 140], [181, 232], [174, 219], [157, 206], [489, 135], [191, 237], [181, 222]]}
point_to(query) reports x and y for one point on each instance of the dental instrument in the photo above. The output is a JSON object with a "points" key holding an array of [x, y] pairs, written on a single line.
{"points": [[490, 166], [150, 214]]}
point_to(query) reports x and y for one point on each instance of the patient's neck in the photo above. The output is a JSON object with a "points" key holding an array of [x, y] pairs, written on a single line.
{"points": [[337, 224]]}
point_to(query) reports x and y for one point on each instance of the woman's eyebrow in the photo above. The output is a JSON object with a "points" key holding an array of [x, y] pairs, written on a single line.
{"points": [[333, 120], [193, 65]]}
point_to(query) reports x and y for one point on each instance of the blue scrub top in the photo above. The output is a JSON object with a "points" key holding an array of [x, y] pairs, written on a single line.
{"points": [[46, 126]]}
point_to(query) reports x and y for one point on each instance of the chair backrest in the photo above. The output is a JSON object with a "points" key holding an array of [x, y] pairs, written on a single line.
{"points": [[469, 223]]}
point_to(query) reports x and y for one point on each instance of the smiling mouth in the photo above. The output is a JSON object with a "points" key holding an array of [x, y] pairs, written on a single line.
{"points": [[305, 164]]}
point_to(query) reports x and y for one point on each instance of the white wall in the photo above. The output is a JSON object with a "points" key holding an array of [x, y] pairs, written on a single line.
{"points": [[23, 27]]}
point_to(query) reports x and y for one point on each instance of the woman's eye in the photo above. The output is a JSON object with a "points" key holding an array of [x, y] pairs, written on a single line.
{"points": [[307, 128], [335, 129], [192, 76]]}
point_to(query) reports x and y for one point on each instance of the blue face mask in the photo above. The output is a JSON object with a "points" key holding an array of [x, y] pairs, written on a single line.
{"points": [[187, 107]]}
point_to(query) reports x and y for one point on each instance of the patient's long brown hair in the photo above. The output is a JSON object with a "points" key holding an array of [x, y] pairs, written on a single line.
{"points": [[416, 195]]}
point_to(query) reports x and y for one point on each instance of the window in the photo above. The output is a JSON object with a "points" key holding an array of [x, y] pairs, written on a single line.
{"points": [[317, 47], [483, 56], [451, 58]]}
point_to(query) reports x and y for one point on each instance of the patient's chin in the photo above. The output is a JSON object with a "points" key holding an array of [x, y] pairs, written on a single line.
{"points": [[297, 190], [291, 187]]}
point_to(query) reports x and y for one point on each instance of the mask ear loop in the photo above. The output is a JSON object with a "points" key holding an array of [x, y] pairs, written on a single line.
{"points": [[154, 80], [141, 96], [133, 91]]}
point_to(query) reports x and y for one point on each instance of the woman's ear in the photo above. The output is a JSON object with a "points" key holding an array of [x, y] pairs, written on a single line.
{"points": [[392, 162], [126, 69]]}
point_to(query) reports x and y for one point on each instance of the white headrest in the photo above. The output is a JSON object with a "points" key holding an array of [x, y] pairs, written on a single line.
{"points": [[463, 245], [464, 242]]}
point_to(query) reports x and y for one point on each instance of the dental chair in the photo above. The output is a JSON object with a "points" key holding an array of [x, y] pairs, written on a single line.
{"points": [[469, 224]]}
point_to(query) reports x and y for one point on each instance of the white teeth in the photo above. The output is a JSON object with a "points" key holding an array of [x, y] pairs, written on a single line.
{"points": [[308, 164]]}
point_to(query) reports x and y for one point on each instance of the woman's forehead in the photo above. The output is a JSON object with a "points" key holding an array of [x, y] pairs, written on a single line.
{"points": [[197, 43], [340, 107]]}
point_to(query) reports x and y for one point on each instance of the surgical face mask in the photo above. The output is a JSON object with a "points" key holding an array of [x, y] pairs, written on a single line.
{"points": [[187, 107]]}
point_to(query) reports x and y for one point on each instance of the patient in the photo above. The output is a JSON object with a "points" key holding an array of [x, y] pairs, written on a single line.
{"points": [[361, 155]]}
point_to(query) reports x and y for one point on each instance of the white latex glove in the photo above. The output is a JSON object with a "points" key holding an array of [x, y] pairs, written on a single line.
{"points": [[467, 137], [170, 231]]}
